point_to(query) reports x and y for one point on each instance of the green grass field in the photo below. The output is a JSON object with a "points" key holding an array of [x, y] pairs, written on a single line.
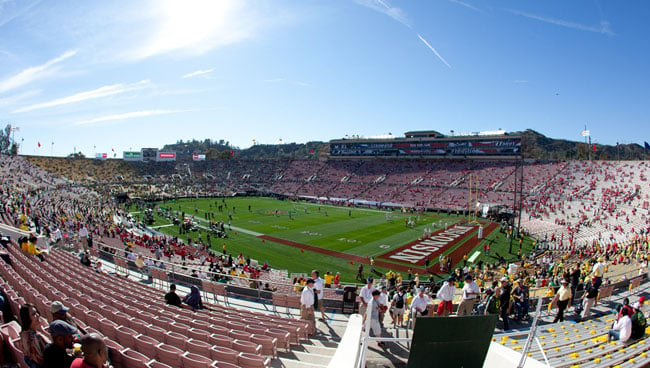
{"points": [[354, 231]]}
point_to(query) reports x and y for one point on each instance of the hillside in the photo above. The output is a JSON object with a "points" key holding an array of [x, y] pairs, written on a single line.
{"points": [[535, 145], [538, 146]]}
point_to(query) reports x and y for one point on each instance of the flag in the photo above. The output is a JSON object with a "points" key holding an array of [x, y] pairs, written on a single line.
{"points": [[646, 145], [594, 148], [39, 144]]}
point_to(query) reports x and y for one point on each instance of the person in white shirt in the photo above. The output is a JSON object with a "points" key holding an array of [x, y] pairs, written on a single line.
{"points": [[131, 257], [319, 286], [419, 305], [98, 267], [622, 329], [307, 302], [471, 293], [446, 296], [375, 325], [383, 304], [83, 236], [366, 295], [57, 237]]}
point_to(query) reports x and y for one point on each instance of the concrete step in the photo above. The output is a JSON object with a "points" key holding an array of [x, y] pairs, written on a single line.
{"points": [[289, 363], [305, 357], [328, 343], [314, 349]]}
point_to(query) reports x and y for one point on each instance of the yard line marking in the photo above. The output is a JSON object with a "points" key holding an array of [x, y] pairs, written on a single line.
{"points": [[159, 226]]}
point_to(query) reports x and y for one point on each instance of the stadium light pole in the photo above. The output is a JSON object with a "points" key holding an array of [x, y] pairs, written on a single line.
{"points": [[521, 196], [514, 206]]}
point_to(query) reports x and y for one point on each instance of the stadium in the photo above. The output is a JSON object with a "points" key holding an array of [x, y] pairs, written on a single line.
{"points": [[324, 184], [418, 214]]}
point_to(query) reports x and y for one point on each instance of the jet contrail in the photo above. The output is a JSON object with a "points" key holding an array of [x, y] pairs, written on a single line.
{"points": [[434, 51]]}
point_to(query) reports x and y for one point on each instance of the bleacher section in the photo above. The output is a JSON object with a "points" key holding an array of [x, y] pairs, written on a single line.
{"points": [[139, 327]]}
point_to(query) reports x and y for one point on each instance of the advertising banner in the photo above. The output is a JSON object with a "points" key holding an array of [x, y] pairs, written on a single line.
{"points": [[131, 156], [166, 156]]}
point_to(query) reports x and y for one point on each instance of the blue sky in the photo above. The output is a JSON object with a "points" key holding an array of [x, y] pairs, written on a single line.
{"points": [[128, 74]]}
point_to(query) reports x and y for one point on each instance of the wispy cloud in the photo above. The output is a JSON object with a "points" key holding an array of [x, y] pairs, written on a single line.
{"points": [[13, 100], [603, 28], [383, 6], [104, 91], [130, 115], [519, 81], [11, 9], [33, 73], [198, 73], [274, 80], [434, 50], [468, 6]]}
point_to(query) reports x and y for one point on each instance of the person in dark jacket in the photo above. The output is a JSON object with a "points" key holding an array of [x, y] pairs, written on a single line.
{"points": [[193, 299]]}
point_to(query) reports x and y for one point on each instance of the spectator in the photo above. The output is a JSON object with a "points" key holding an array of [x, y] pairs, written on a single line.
{"points": [[60, 313], [55, 355], [383, 304], [520, 295], [98, 267], [638, 322], [366, 295], [83, 237], [504, 302], [575, 280], [193, 299], [307, 302], [489, 303], [589, 299], [84, 258], [375, 326], [94, 350], [319, 286], [622, 329], [562, 298], [446, 296], [360, 272], [32, 341], [171, 297], [598, 272], [419, 305], [471, 294], [626, 305], [398, 305], [328, 279]]}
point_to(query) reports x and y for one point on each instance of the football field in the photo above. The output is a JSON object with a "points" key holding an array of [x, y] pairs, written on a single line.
{"points": [[301, 236]]}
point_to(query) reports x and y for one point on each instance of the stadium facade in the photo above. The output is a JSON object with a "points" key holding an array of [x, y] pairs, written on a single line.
{"points": [[430, 144]]}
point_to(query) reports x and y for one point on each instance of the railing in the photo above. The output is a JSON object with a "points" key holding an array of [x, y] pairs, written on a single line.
{"points": [[347, 352], [174, 273], [366, 338]]}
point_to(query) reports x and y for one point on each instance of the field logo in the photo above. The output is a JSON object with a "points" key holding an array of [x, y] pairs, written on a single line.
{"points": [[417, 252]]}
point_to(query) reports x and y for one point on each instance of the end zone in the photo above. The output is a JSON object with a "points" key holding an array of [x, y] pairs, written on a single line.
{"points": [[417, 252]]}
